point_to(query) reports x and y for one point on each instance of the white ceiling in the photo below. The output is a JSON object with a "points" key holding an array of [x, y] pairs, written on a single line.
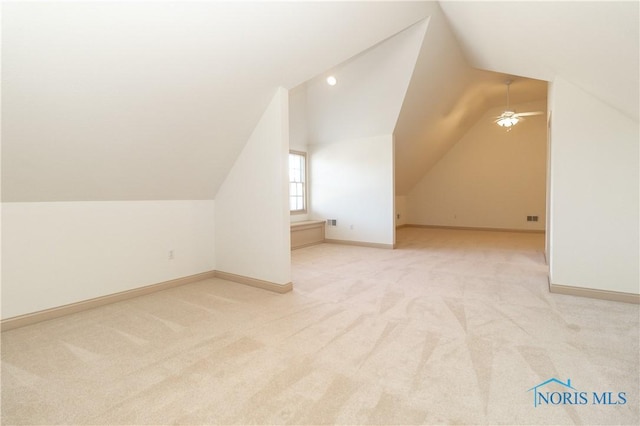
{"points": [[445, 99], [371, 89], [593, 44], [154, 100]]}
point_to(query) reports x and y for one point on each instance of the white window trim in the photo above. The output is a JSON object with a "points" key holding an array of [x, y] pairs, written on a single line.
{"points": [[306, 179]]}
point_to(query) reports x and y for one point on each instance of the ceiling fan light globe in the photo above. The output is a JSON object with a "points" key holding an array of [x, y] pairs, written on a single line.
{"points": [[507, 121], [508, 118]]}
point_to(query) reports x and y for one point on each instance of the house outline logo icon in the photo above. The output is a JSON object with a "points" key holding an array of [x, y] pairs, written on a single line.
{"points": [[546, 382]]}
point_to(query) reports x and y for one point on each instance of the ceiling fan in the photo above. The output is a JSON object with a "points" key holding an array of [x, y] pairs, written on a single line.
{"points": [[509, 117]]}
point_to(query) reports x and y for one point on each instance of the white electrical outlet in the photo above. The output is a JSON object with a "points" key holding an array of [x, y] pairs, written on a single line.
{"points": [[170, 255]]}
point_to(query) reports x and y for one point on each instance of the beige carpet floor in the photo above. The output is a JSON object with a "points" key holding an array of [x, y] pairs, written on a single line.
{"points": [[453, 327]]}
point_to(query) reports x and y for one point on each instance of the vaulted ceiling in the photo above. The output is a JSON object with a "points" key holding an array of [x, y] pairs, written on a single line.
{"points": [[154, 100], [444, 100], [471, 48], [594, 44]]}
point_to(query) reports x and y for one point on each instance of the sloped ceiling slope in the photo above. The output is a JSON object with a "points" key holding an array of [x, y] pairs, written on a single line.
{"points": [[371, 87], [595, 45], [445, 98], [146, 100]]}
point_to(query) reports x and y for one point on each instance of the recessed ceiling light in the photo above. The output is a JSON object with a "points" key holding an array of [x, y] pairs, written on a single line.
{"points": [[331, 80]]}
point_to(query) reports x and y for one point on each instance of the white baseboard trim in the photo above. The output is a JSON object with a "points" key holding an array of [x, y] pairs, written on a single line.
{"points": [[253, 282], [472, 228], [359, 243], [615, 296], [72, 308], [307, 245]]}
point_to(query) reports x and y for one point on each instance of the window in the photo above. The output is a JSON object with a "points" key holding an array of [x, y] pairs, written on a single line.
{"points": [[297, 182]]}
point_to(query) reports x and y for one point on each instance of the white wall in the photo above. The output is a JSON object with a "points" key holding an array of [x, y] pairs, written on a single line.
{"points": [[298, 127], [252, 236], [490, 179], [349, 131], [401, 210], [352, 182], [432, 118], [298, 135], [594, 196], [56, 253]]}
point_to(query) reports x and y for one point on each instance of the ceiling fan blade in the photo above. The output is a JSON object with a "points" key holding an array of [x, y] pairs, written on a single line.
{"points": [[506, 113], [526, 114]]}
